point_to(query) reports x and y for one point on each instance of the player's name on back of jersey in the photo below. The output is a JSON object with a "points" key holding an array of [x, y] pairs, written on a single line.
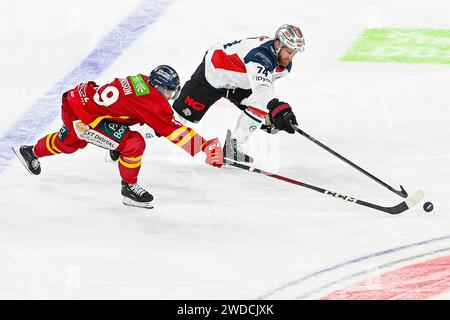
{"points": [[126, 86]]}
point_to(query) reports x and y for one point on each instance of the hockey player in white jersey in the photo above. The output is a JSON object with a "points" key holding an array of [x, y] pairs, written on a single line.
{"points": [[244, 71]]}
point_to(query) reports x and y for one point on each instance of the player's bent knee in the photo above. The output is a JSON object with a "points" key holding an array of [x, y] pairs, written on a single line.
{"points": [[134, 144]]}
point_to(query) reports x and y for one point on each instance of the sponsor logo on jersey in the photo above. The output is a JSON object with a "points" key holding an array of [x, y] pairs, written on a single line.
{"points": [[126, 86], [261, 58], [194, 104], [101, 140], [187, 112], [263, 79], [139, 85], [62, 133], [113, 130]]}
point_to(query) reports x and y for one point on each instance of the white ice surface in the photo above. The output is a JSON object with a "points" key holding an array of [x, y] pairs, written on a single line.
{"points": [[225, 234]]}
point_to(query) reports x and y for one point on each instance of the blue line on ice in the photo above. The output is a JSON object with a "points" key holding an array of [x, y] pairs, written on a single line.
{"points": [[42, 112], [347, 263]]}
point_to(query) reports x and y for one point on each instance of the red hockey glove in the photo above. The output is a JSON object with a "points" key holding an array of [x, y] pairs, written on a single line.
{"points": [[214, 152]]}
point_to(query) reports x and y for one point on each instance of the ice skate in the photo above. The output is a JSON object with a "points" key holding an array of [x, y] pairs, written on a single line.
{"points": [[231, 151], [28, 158], [134, 195]]}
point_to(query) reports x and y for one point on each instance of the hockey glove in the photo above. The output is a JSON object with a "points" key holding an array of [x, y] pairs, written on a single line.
{"points": [[281, 115], [214, 152]]}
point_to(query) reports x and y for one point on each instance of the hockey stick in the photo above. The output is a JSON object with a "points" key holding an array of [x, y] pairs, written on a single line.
{"points": [[405, 205], [401, 193]]}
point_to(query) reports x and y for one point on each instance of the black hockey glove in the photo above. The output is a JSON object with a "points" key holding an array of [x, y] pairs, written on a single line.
{"points": [[281, 115]]}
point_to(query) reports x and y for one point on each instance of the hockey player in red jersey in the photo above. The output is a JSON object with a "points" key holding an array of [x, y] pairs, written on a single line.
{"points": [[244, 72], [101, 115]]}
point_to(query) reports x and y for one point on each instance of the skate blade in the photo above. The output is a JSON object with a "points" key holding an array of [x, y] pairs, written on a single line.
{"points": [[128, 202], [230, 167], [236, 161], [19, 156]]}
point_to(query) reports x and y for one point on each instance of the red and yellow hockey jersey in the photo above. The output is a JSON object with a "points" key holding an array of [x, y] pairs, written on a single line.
{"points": [[130, 101]]}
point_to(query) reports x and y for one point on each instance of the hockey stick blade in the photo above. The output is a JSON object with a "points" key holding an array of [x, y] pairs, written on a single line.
{"points": [[405, 205], [415, 199]]}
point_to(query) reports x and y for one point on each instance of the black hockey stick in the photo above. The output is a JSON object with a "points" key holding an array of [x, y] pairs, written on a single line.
{"points": [[405, 205], [401, 193]]}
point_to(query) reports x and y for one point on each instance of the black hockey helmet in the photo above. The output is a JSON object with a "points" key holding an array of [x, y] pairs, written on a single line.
{"points": [[166, 78]]}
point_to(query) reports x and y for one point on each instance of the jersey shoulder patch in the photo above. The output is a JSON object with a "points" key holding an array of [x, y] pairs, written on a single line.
{"points": [[263, 55], [139, 84]]}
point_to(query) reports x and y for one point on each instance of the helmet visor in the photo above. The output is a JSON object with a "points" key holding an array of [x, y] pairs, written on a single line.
{"points": [[175, 92]]}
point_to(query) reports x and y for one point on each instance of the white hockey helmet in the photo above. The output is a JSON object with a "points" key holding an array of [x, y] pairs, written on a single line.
{"points": [[290, 37]]}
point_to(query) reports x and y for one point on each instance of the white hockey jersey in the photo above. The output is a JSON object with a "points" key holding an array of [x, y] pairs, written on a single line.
{"points": [[247, 64]]}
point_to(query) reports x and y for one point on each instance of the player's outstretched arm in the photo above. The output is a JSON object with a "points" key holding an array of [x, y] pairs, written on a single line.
{"points": [[190, 141]]}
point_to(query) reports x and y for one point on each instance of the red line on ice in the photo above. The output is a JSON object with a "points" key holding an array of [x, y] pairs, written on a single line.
{"points": [[415, 282]]}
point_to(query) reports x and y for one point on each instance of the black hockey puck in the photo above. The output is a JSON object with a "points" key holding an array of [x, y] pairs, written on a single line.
{"points": [[428, 206]]}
